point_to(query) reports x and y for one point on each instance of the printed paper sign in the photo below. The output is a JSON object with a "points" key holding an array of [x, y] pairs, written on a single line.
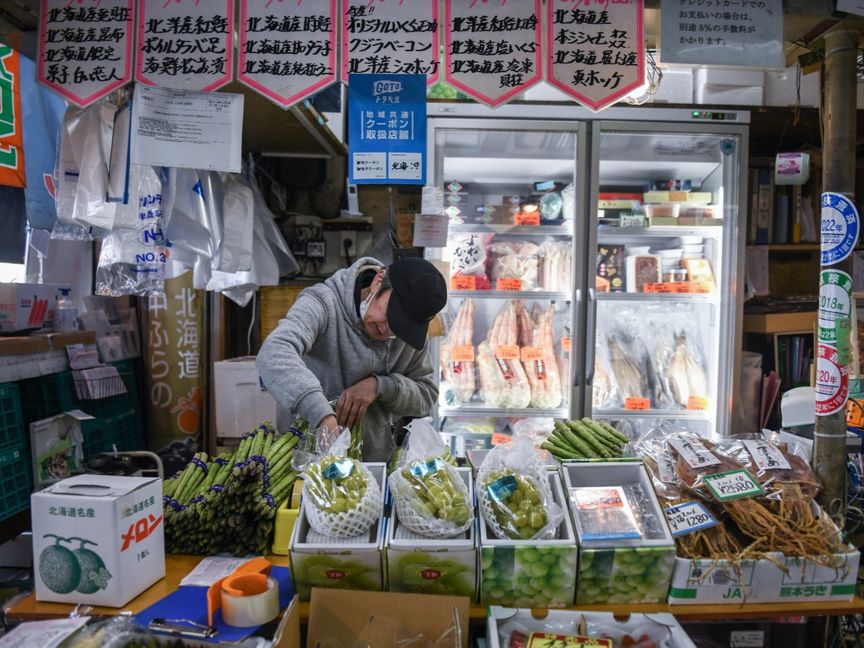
{"points": [[832, 381], [839, 228], [711, 33], [11, 126], [694, 452], [195, 130], [287, 49], [596, 53], [766, 455], [666, 470], [185, 44], [492, 48], [688, 517], [835, 302], [390, 37], [85, 50], [387, 129], [430, 230], [732, 485]]}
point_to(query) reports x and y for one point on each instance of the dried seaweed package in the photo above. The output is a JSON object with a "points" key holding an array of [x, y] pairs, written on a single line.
{"points": [[604, 513]]}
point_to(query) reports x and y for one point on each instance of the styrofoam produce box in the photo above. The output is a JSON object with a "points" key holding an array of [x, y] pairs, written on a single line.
{"points": [[420, 565], [621, 571], [661, 629], [530, 573], [97, 539], [241, 402], [762, 581], [338, 563]]}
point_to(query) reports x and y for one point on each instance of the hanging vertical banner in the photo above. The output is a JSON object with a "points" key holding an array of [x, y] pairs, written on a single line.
{"points": [[287, 51], [11, 124], [185, 44], [595, 54], [390, 37], [175, 377], [492, 48], [387, 129], [85, 50]]}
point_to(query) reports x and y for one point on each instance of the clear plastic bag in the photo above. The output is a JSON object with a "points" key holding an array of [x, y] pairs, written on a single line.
{"points": [[129, 267], [516, 262], [503, 382], [556, 261], [430, 496], [514, 495], [537, 342], [777, 467], [469, 258], [458, 368], [341, 497]]}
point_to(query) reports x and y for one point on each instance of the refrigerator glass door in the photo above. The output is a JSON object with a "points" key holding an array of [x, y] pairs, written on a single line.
{"points": [[661, 317]]}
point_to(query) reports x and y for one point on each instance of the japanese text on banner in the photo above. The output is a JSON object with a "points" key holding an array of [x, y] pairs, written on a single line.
{"points": [[287, 51], [11, 126]]}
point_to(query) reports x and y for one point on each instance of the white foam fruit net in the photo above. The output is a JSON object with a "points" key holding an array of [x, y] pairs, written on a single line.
{"points": [[352, 522], [416, 515]]}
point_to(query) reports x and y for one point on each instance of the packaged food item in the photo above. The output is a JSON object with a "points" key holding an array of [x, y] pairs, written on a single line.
{"points": [[604, 513], [611, 271], [469, 258], [514, 265], [642, 269], [700, 271]]}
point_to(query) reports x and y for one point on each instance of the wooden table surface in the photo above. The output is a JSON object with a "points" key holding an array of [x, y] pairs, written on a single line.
{"points": [[176, 567]]}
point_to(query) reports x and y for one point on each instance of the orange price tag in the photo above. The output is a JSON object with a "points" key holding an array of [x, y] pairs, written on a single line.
{"points": [[508, 284], [531, 353], [530, 219], [697, 403], [499, 438], [638, 404], [855, 413], [507, 352], [462, 353], [651, 287], [566, 344], [463, 282], [680, 287]]}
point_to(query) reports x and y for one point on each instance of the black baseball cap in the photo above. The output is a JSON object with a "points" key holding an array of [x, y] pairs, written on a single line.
{"points": [[419, 293]]}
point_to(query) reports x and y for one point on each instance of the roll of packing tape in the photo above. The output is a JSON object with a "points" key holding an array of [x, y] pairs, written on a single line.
{"points": [[251, 610]]}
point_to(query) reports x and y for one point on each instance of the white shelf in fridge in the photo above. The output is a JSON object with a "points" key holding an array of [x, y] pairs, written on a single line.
{"points": [[689, 298], [565, 229], [511, 294], [480, 410], [624, 234], [698, 415]]}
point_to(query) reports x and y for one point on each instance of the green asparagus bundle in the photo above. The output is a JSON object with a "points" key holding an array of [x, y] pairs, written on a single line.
{"points": [[228, 503], [585, 439]]}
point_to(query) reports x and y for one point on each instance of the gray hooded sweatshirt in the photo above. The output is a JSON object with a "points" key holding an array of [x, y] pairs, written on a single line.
{"points": [[320, 349]]}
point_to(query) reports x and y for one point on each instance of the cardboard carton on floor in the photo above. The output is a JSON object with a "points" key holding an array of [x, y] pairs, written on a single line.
{"points": [[341, 617], [97, 539], [344, 563], [432, 566]]}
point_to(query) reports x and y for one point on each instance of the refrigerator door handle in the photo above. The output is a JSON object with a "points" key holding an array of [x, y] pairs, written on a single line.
{"points": [[575, 371], [590, 342]]}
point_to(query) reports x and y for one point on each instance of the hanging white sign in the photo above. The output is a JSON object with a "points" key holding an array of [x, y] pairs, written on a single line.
{"points": [[595, 53], [715, 32], [85, 49], [492, 48], [185, 44], [287, 50], [390, 37]]}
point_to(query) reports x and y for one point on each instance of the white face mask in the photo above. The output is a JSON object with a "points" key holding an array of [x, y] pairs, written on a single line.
{"points": [[364, 308]]}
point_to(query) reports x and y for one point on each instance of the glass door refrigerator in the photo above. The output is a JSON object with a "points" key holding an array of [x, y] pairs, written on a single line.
{"points": [[665, 233], [510, 191]]}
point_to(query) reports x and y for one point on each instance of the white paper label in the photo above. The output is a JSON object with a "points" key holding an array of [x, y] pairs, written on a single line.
{"points": [[747, 639], [688, 517], [732, 485], [45, 634], [211, 569], [666, 470], [694, 453], [766, 455]]}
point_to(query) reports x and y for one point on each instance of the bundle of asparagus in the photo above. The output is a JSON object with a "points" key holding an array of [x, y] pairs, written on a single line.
{"points": [[228, 503]]}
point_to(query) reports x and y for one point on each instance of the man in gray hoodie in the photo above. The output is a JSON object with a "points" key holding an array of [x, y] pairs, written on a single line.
{"points": [[358, 338]]}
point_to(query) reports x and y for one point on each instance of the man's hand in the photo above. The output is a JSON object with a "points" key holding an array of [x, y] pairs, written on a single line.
{"points": [[329, 422], [355, 400]]}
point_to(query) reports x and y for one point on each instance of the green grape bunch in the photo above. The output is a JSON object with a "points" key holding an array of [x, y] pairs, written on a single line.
{"points": [[433, 493], [335, 484], [516, 502]]}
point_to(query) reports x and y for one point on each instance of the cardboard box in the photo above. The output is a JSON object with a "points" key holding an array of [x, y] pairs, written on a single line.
{"points": [[287, 633], [27, 307], [421, 565], [60, 340], [343, 618], [57, 447], [762, 581], [662, 629], [509, 569], [621, 571], [241, 401], [97, 539], [352, 563], [16, 346]]}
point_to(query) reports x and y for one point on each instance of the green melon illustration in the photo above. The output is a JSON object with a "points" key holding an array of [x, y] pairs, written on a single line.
{"points": [[59, 569], [94, 576]]}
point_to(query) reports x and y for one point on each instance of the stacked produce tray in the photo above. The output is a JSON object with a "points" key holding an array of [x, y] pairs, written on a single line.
{"points": [[14, 455]]}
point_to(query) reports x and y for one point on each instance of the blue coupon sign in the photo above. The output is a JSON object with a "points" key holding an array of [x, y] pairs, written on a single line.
{"points": [[839, 226]]}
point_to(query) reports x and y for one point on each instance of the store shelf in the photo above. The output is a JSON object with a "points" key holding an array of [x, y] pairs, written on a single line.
{"points": [[511, 294], [624, 234], [480, 410], [522, 230], [697, 415], [657, 297]]}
